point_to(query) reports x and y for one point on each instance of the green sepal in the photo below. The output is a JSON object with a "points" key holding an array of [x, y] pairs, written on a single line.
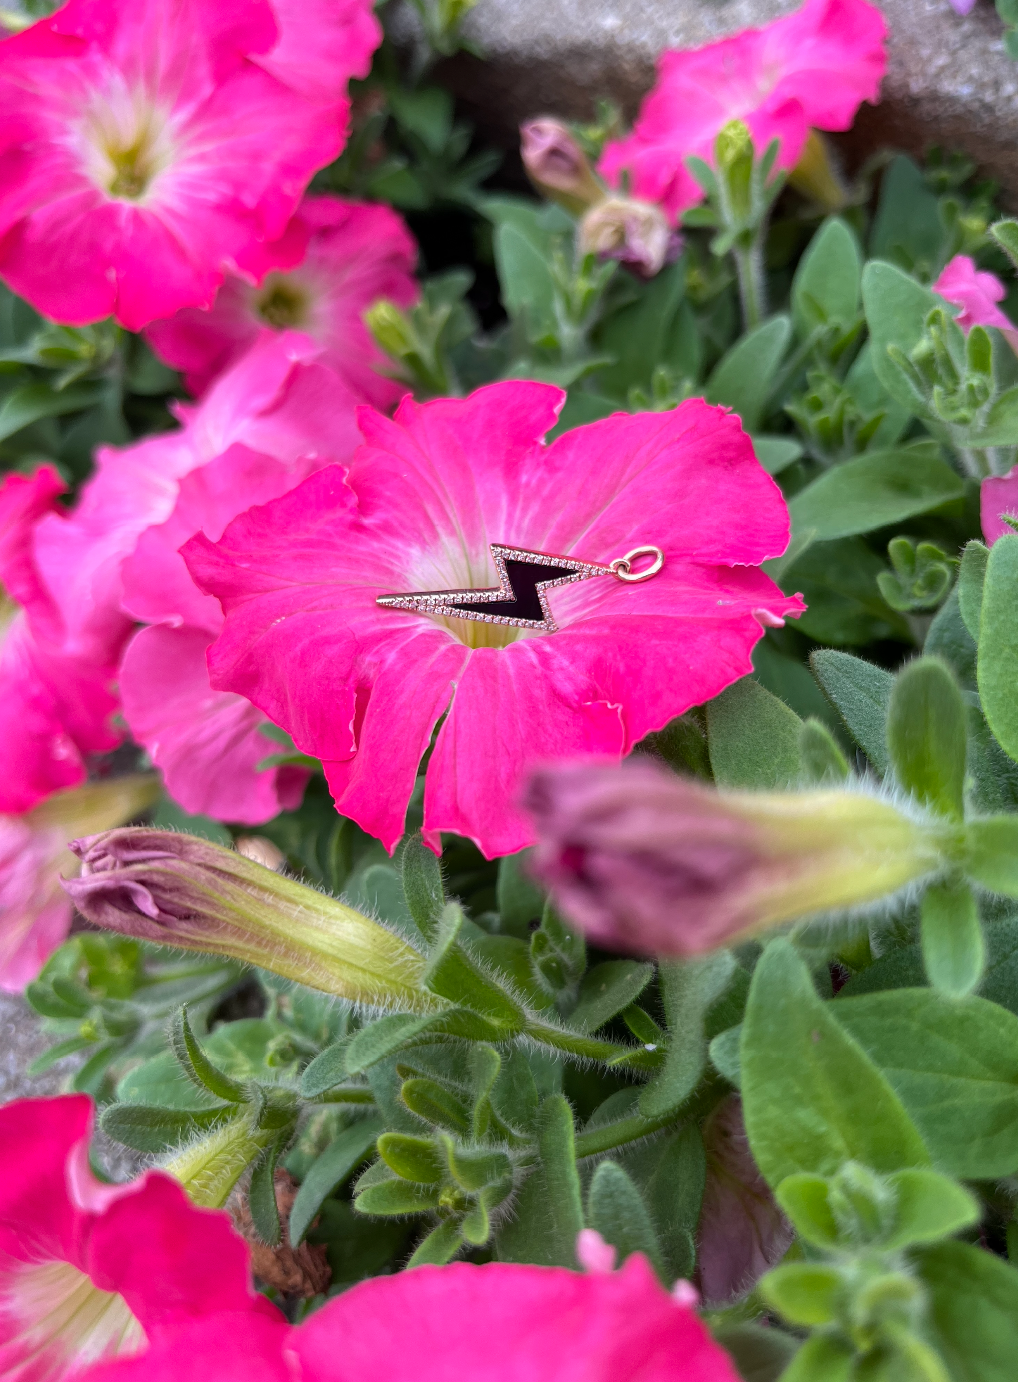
{"points": [[415, 1159], [436, 1104], [396, 1197], [971, 579], [805, 1199], [927, 736], [197, 1066], [928, 1206], [822, 1358], [149, 1129], [954, 951], [473, 1170], [804, 1292], [991, 853], [997, 667], [453, 974], [261, 1195], [422, 885], [438, 1247]]}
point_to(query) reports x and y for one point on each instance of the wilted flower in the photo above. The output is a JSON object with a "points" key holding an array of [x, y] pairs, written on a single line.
{"points": [[334, 260], [179, 890], [977, 293], [636, 233], [146, 148], [742, 1233], [362, 687], [642, 859], [57, 661], [556, 164], [809, 69], [35, 912], [91, 1272], [502, 1322]]}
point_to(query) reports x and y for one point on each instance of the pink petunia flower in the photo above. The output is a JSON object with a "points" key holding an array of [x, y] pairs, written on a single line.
{"points": [[276, 401], [813, 68], [56, 699], [146, 148], [344, 256], [998, 495], [208, 743], [35, 912], [90, 1272], [364, 687], [502, 1322], [963, 6], [976, 292]]}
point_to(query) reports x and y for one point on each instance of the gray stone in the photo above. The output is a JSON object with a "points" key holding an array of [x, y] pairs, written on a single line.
{"points": [[22, 1040], [950, 81]]}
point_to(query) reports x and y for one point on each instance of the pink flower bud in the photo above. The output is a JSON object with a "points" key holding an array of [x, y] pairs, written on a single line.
{"points": [[593, 1253], [637, 233], [556, 164], [644, 860], [179, 890]]}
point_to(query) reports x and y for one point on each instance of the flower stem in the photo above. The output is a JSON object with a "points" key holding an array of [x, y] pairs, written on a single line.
{"points": [[749, 265], [609, 1135]]}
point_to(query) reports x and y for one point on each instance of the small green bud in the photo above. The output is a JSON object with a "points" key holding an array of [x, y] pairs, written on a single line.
{"points": [[391, 328], [733, 145]]}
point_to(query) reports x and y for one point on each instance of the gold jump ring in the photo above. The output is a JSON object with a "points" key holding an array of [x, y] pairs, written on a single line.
{"points": [[622, 567]]}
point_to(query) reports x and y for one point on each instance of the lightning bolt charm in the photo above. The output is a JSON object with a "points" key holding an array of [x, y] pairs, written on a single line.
{"points": [[521, 596]]}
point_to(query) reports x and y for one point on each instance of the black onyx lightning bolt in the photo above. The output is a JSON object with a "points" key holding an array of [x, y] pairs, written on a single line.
{"points": [[520, 598]]}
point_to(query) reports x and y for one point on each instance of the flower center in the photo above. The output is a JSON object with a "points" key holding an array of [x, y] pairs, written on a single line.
{"points": [[127, 144], [65, 1323], [281, 303]]}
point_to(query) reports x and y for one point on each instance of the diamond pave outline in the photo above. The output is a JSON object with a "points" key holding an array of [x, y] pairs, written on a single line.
{"points": [[442, 601]]}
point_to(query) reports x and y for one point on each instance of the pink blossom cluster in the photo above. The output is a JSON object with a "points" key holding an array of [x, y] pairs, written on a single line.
{"points": [[133, 1283], [810, 70], [223, 578]]}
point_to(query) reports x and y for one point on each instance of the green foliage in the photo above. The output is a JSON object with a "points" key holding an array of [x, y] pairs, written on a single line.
{"points": [[555, 1087]]}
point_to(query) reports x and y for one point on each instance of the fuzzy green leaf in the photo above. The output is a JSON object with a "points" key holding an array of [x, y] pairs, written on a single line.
{"points": [[861, 693], [927, 736], [341, 1157], [753, 738], [549, 1210], [616, 1209], [953, 1063], [874, 491], [812, 1098], [998, 643]]}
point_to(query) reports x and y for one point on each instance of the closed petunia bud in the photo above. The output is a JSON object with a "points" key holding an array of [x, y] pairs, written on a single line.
{"points": [[644, 860], [557, 166], [636, 233], [178, 890]]}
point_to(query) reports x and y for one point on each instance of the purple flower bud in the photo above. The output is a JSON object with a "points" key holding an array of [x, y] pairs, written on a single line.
{"points": [[643, 860], [178, 890], [557, 166], [636, 233]]}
